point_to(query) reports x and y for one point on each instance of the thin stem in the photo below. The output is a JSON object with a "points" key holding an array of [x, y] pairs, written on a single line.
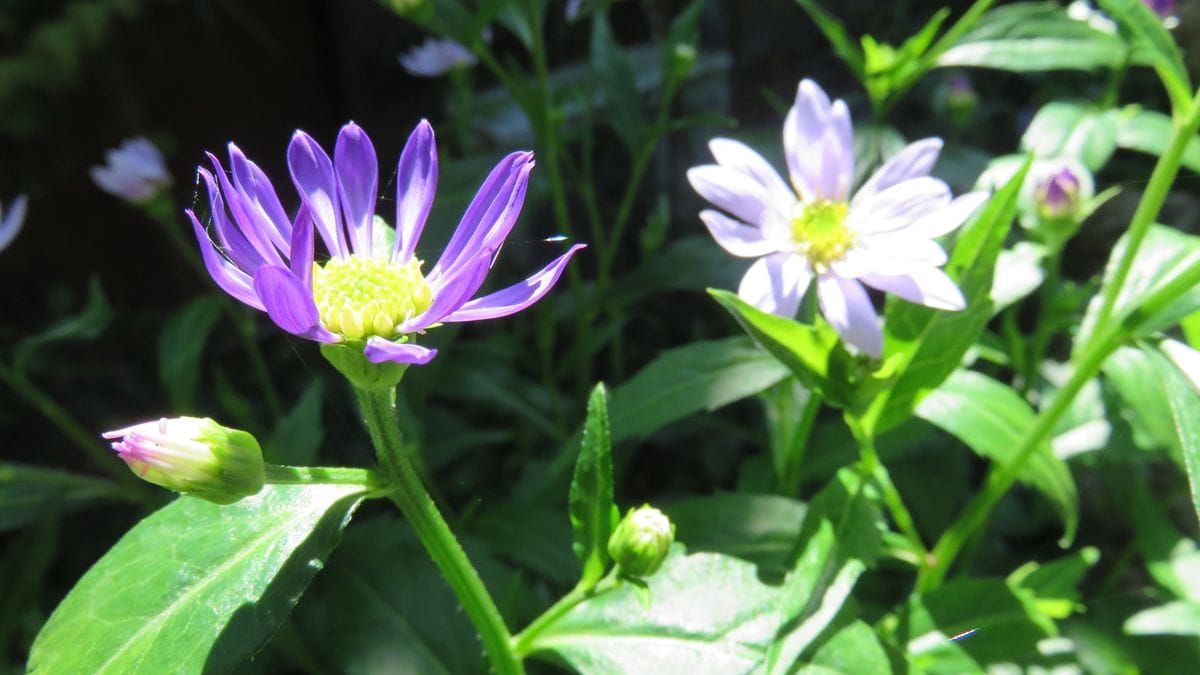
{"points": [[1044, 329], [789, 483], [85, 440], [326, 475], [378, 407], [873, 467], [524, 642]]}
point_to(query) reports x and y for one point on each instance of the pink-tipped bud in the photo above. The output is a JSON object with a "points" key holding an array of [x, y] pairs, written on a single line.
{"points": [[193, 456]]}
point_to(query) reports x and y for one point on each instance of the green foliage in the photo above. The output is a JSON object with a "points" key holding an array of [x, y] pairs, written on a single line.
{"points": [[761, 529], [593, 514], [88, 324], [614, 74], [991, 418], [1145, 31], [297, 436], [180, 348], [1150, 131], [196, 586], [1184, 404], [1066, 129], [26, 491]]}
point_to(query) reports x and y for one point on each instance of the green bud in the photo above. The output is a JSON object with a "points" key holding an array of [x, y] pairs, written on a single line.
{"points": [[193, 456], [350, 361], [641, 541]]}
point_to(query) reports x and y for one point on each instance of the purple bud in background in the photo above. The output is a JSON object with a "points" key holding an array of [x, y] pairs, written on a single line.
{"points": [[135, 171], [1163, 8], [1057, 195]]}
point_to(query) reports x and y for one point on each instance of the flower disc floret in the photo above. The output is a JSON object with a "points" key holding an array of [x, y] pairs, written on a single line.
{"points": [[820, 232], [360, 297]]}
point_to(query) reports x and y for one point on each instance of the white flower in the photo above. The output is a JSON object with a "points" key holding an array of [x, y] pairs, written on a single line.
{"points": [[812, 229], [135, 171], [12, 220], [434, 58]]}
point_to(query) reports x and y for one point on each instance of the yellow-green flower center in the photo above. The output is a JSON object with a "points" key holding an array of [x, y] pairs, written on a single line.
{"points": [[359, 297], [820, 233]]}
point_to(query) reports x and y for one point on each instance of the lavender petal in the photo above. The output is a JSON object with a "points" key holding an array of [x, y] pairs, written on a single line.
{"points": [[733, 191], [743, 159], [228, 277], [514, 298], [416, 184], [379, 350], [846, 306], [289, 304], [735, 237], [234, 243], [312, 172], [927, 286], [257, 230], [259, 195], [914, 161], [776, 284], [357, 170]]}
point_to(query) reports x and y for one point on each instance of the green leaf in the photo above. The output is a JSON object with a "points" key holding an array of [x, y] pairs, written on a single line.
{"points": [[844, 46], [1039, 54], [88, 324], [593, 514], [1056, 583], [852, 649], [991, 419], [679, 49], [1077, 130], [762, 529], [26, 490], [180, 348], [804, 349], [708, 613], [1174, 618], [1146, 30], [701, 376], [848, 500], [298, 434], [533, 536], [1165, 254], [1185, 411], [1150, 131], [968, 624], [617, 83], [1143, 401], [196, 587], [814, 593], [928, 344]]}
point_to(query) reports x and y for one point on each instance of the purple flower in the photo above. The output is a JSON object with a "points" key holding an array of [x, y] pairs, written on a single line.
{"points": [[1163, 8], [12, 220], [813, 230], [434, 58], [135, 171], [371, 291]]}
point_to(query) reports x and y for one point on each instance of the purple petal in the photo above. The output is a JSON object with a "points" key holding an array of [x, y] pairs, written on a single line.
{"points": [[12, 219], [416, 184], [914, 161], [289, 304], [777, 283], [302, 248], [819, 146], [449, 295], [257, 230], [514, 298], [735, 192], [737, 238], [488, 219], [312, 172], [259, 195], [927, 286], [899, 206], [234, 243], [229, 278], [949, 218], [846, 306], [358, 182], [379, 350], [743, 159]]}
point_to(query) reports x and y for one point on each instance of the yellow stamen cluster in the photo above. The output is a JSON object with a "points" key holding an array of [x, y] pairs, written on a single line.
{"points": [[360, 296], [820, 233]]}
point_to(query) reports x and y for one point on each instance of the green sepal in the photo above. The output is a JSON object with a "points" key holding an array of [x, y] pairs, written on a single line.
{"points": [[350, 361]]}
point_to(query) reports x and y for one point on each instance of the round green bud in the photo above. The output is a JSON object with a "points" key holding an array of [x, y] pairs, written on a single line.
{"points": [[641, 541]]}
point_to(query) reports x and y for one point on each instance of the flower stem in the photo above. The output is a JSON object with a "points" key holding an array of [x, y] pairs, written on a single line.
{"points": [[324, 475], [86, 441], [879, 473], [525, 642], [378, 407]]}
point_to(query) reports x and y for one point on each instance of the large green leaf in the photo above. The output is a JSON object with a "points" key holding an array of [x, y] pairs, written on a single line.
{"points": [[991, 419], [180, 348], [1142, 401], [25, 490], [1185, 411], [762, 529], [701, 376], [1165, 254], [196, 587], [925, 345], [707, 613], [1069, 129], [593, 515], [1150, 131], [853, 649], [1026, 55], [1174, 618], [843, 45]]}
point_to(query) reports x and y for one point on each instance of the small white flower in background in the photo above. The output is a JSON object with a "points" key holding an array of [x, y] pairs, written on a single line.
{"points": [[813, 230], [436, 57], [135, 171], [11, 220]]}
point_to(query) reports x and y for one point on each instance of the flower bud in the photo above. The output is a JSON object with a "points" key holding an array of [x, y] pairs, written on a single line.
{"points": [[193, 456], [1057, 196], [641, 541], [960, 100]]}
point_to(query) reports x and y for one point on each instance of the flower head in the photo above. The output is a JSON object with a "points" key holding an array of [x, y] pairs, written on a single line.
{"points": [[11, 220], [193, 456], [434, 58], [135, 171], [372, 293], [1057, 195], [641, 541], [813, 230]]}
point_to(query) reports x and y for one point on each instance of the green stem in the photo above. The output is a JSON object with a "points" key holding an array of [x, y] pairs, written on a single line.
{"points": [[85, 440], [873, 467], [1044, 329], [325, 475], [789, 483], [524, 642], [378, 407]]}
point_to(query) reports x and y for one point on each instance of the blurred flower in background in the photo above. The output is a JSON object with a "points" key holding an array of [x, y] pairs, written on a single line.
{"points": [[436, 57], [135, 171], [11, 220], [813, 231]]}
